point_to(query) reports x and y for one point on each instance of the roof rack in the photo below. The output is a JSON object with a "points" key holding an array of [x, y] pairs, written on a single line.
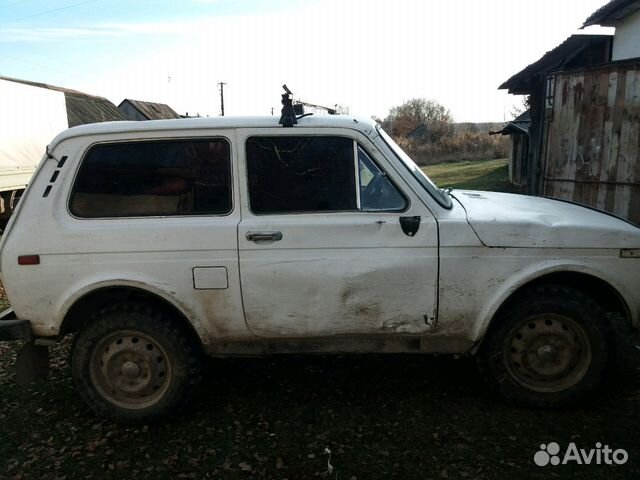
{"points": [[287, 114], [292, 112], [330, 111]]}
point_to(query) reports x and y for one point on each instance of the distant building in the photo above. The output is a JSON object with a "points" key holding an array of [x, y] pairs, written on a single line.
{"points": [[583, 142], [139, 110], [81, 107], [518, 129], [417, 133]]}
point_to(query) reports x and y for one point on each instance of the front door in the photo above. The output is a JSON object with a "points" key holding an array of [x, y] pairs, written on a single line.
{"points": [[322, 247]]}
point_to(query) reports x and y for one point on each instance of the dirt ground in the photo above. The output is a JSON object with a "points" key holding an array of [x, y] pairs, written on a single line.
{"points": [[381, 417]]}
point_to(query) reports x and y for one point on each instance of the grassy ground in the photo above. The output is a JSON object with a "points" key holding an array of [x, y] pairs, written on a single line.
{"points": [[473, 175]]}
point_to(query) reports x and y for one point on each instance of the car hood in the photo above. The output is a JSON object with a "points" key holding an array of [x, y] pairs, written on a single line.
{"points": [[509, 220]]}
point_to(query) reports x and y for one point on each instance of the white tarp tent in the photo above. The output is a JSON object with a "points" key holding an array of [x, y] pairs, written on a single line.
{"points": [[29, 119]]}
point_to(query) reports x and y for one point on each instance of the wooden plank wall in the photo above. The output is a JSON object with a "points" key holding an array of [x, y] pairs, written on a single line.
{"points": [[518, 159], [592, 142]]}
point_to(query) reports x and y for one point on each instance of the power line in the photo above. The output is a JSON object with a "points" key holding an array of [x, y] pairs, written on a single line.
{"points": [[14, 3], [37, 65], [24, 61], [48, 11]]}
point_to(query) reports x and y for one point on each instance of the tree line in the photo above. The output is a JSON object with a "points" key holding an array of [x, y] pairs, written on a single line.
{"points": [[426, 130]]}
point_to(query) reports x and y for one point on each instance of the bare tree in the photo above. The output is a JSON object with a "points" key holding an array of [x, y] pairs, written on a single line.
{"points": [[427, 120], [518, 110]]}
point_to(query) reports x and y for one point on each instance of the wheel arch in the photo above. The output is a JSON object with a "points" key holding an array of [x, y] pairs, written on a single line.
{"points": [[589, 283], [94, 299]]}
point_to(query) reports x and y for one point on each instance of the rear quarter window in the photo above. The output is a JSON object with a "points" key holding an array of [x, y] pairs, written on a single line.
{"points": [[154, 178]]}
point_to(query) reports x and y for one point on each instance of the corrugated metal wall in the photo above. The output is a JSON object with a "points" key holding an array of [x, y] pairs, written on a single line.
{"points": [[592, 141]]}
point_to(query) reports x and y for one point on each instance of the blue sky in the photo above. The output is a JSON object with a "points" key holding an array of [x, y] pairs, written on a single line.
{"points": [[45, 37], [368, 55]]}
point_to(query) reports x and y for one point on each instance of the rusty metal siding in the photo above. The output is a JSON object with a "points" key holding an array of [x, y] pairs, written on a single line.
{"points": [[592, 144]]}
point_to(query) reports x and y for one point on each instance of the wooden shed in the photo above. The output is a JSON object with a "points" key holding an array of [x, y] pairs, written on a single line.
{"points": [[591, 144], [518, 130], [584, 135], [577, 51]]}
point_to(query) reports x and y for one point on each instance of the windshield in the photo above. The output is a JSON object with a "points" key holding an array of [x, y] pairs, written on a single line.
{"points": [[438, 194]]}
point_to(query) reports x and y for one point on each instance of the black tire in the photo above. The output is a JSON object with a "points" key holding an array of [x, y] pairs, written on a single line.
{"points": [[131, 363], [550, 348]]}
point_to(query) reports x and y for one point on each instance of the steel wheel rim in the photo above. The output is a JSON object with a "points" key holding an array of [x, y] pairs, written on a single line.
{"points": [[547, 353], [130, 369]]}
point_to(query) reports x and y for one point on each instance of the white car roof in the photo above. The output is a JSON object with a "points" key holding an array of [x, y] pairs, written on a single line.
{"points": [[319, 121]]}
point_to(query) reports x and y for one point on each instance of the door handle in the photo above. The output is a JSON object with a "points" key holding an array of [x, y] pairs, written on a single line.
{"points": [[264, 236]]}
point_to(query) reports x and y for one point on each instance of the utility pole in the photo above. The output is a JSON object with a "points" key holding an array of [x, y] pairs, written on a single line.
{"points": [[222, 84]]}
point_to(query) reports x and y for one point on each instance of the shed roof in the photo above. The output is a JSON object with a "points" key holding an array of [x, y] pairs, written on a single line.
{"points": [[153, 110], [520, 124], [417, 132], [612, 13], [82, 108], [556, 59]]}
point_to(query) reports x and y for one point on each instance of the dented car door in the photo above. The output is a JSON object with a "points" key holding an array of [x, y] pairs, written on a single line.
{"points": [[332, 241]]}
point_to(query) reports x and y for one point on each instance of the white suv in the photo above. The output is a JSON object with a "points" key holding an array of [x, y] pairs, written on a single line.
{"points": [[156, 241]]}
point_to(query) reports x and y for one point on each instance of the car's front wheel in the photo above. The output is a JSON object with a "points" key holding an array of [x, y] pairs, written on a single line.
{"points": [[132, 363], [550, 348]]}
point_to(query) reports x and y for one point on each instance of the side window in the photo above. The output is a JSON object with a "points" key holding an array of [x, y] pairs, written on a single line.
{"points": [[151, 178], [377, 193], [301, 174]]}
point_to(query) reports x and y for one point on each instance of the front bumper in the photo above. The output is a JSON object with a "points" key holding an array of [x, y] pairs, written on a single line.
{"points": [[12, 328]]}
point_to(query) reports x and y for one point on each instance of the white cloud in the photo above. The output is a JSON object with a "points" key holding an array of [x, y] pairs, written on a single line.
{"points": [[368, 55], [56, 34]]}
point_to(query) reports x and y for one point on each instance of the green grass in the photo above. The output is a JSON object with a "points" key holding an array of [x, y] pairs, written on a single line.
{"points": [[490, 175]]}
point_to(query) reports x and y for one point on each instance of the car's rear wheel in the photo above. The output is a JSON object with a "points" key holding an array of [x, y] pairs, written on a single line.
{"points": [[550, 348], [132, 363]]}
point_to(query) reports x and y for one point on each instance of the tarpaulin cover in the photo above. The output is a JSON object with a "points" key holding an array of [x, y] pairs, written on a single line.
{"points": [[30, 117]]}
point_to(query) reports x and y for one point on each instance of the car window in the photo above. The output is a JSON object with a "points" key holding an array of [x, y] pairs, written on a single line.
{"points": [[152, 178], [377, 192], [301, 174], [316, 174], [440, 195]]}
